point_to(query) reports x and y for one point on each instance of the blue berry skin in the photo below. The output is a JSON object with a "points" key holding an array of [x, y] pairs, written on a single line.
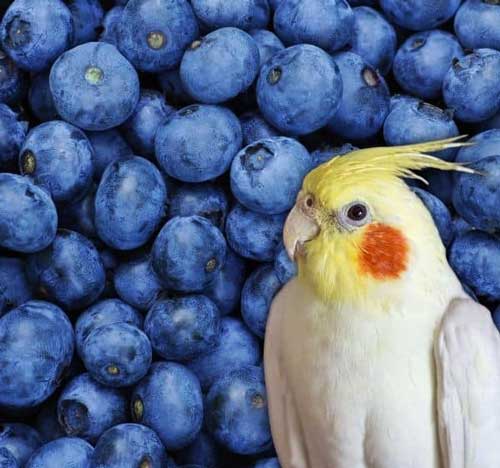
{"points": [[140, 128], [324, 23], [35, 40], [20, 440], [419, 15], [136, 282], [7, 460], [267, 42], [205, 199], [171, 85], [485, 144], [110, 24], [476, 24], [109, 146], [67, 451], [204, 449], [422, 61], [327, 153], [254, 235], [256, 297], [284, 267], [254, 127], [15, 288], [117, 354], [169, 401], [153, 34], [257, 167], [129, 203], [365, 99], [188, 253], [415, 121], [40, 98], [299, 89], [244, 14], [475, 257], [471, 87], [104, 313], [236, 414], [127, 446], [237, 347], [36, 347], [95, 73], [12, 80], [476, 197], [373, 38], [46, 422], [218, 139], [225, 290], [79, 216], [86, 408], [87, 17], [267, 463], [220, 65], [58, 157], [12, 134], [28, 217], [440, 214]]}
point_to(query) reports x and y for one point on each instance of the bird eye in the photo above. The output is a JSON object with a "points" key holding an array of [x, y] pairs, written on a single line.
{"points": [[309, 201], [355, 214]]}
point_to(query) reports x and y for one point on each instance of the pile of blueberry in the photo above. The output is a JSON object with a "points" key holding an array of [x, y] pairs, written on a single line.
{"points": [[149, 153]]}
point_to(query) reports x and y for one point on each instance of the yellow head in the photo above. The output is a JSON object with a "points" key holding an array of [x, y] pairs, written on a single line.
{"points": [[357, 226]]}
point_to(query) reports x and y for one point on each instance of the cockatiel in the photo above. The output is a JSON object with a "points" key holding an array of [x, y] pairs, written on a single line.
{"points": [[375, 357]]}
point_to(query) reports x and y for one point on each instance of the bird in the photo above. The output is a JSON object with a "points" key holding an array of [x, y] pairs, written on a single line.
{"points": [[375, 356]]}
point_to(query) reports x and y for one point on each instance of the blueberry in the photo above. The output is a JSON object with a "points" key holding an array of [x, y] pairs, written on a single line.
{"points": [[267, 463], [422, 61], [129, 203], [236, 414], [12, 80], [7, 460], [299, 89], [284, 267], [365, 99], [171, 85], [40, 98], [188, 253], [476, 24], [471, 87], [47, 423], [476, 197], [20, 440], [475, 257], [67, 451], [220, 65], [28, 217], [15, 288], [325, 23], [397, 99], [129, 446], [104, 313], [413, 121], [69, 271], [485, 144], [36, 346], [87, 17], [183, 328], [153, 34], [110, 24], [116, 354], [218, 139], [86, 408], [79, 215], [254, 127], [254, 235], [169, 400], [94, 87], [256, 297], [440, 184], [237, 348], [35, 40], [12, 134], [419, 15], [460, 226], [203, 449], [225, 290], [267, 42], [109, 146], [373, 38], [326, 153], [58, 157], [136, 282], [440, 214]]}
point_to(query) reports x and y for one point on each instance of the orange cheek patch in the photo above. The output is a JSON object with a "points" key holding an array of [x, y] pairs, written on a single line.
{"points": [[384, 252]]}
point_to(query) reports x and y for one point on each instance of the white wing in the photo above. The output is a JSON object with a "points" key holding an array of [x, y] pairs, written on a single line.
{"points": [[467, 354]]}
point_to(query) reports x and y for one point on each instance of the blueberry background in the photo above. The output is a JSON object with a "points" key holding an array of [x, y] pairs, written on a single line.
{"points": [[149, 153]]}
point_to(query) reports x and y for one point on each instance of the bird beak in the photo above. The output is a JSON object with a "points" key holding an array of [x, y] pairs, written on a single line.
{"points": [[299, 229]]}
